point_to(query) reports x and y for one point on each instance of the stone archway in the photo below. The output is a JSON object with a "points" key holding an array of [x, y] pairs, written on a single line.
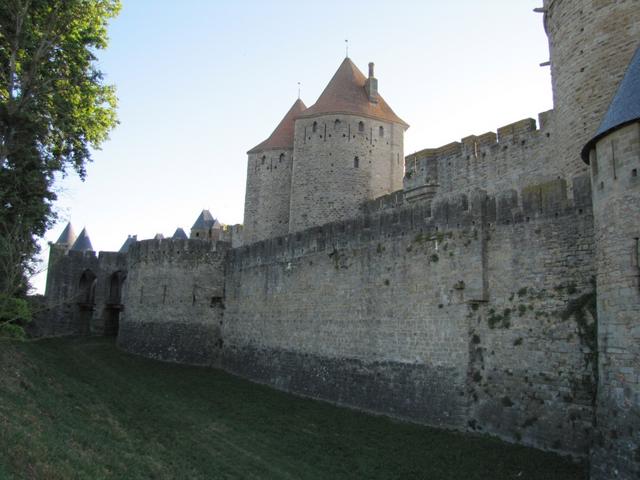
{"points": [[114, 304]]}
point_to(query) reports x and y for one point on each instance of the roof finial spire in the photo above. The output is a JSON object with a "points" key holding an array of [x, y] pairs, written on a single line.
{"points": [[346, 42], [299, 84]]}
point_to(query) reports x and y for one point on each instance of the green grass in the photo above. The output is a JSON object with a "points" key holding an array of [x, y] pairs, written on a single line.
{"points": [[83, 409]]}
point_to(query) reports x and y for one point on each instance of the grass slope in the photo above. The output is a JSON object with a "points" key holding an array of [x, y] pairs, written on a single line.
{"points": [[83, 409]]}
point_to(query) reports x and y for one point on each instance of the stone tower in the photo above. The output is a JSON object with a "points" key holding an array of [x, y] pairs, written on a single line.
{"points": [[348, 148], [614, 156], [591, 43], [206, 227], [82, 243], [58, 250], [266, 208]]}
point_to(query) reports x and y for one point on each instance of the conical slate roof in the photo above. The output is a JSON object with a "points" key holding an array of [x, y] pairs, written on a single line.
{"points": [[204, 220], [624, 108], [131, 239], [82, 243], [67, 237], [179, 234], [282, 136], [346, 94], [158, 236]]}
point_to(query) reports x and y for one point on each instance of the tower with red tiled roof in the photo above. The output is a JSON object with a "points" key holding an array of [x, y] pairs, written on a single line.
{"points": [[348, 148], [321, 163], [266, 208]]}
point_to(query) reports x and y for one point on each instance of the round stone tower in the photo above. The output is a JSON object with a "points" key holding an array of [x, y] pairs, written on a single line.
{"points": [[614, 156], [348, 148], [266, 208], [591, 43]]}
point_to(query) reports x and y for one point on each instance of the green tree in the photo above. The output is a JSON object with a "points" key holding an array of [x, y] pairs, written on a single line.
{"points": [[54, 109]]}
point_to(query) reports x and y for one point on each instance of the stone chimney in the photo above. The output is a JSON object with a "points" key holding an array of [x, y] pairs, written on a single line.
{"points": [[371, 85]]}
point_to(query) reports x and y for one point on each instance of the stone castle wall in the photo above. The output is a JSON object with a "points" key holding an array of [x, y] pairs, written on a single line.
{"points": [[615, 164], [78, 293], [465, 299], [328, 183], [591, 43], [518, 155], [268, 194], [459, 315], [65, 317], [174, 300]]}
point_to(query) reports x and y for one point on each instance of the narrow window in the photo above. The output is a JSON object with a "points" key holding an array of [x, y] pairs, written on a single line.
{"points": [[634, 172], [336, 124], [281, 157], [164, 294], [356, 162], [141, 293], [361, 126], [381, 131], [613, 160], [314, 127], [264, 157], [193, 296]]}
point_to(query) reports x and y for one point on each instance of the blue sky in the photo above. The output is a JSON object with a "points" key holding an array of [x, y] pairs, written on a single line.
{"points": [[201, 82]]}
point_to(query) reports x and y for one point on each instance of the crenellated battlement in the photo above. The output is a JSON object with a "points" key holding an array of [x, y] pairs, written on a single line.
{"points": [[516, 155], [167, 250], [391, 216], [80, 256]]}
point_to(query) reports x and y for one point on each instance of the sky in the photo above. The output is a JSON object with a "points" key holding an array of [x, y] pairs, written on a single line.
{"points": [[200, 82]]}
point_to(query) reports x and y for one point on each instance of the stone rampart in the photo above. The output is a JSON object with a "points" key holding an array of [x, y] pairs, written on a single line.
{"points": [[519, 154], [174, 300], [467, 315]]}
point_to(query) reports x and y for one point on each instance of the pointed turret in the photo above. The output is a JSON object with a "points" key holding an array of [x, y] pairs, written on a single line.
{"points": [[623, 109], [348, 149], [131, 239], [282, 136], [179, 234], [67, 237], [350, 92], [206, 227], [158, 236], [82, 243], [204, 220]]}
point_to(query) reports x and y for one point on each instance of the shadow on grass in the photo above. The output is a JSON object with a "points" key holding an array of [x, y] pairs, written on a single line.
{"points": [[80, 408]]}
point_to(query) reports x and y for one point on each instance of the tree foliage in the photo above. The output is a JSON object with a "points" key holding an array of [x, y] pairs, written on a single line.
{"points": [[54, 109]]}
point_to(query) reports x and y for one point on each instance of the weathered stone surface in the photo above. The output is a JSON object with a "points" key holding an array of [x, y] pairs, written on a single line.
{"points": [[615, 163], [484, 302], [191, 343], [591, 43], [415, 391], [174, 300]]}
